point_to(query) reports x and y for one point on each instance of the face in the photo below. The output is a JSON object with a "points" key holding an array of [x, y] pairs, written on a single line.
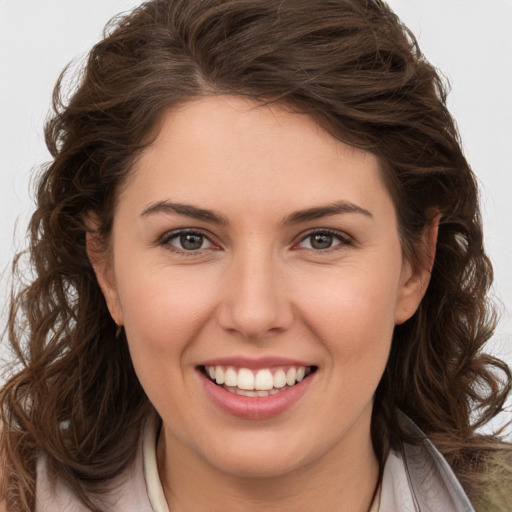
{"points": [[251, 249]]}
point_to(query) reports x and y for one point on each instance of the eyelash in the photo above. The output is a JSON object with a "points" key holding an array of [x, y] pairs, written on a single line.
{"points": [[343, 238], [176, 235]]}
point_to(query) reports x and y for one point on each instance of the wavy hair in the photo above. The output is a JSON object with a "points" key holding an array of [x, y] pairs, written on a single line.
{"points": [[357, 70]]}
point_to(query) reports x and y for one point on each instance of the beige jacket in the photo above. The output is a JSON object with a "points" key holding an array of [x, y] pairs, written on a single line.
{"points": [[415, 479]]}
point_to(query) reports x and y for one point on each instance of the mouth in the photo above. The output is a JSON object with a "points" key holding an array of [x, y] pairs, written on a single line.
{"points": [[262, 382]]}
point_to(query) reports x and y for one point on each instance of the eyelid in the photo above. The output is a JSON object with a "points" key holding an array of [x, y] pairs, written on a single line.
{"points": [[166, 238], [163, 240], [342, 236]]}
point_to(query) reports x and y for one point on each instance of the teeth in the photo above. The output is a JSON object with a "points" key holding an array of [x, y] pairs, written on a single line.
{"points": [[258, 383], [244, 392], [219, 375], [264, 380], [279, 379], [290, 376], [230, 377], [245, 379]]}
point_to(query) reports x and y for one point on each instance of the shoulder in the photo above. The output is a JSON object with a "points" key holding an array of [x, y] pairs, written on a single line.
{"points": [[484, 485], [125, 493], [416, 476], [495, 481]]}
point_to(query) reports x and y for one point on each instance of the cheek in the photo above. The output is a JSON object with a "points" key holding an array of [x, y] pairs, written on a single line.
{"points": [[165, 314], [165, 311], [164, 303], [353, 315]]}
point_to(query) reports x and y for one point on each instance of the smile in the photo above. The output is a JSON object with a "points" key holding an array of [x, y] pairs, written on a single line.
{"points": [[256, 389], [257, 383]]}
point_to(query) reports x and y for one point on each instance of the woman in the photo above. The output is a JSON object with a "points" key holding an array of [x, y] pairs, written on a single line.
{"points": [[259, 276]]}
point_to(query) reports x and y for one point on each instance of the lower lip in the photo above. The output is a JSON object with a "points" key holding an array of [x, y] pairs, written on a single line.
{"points": [[258, 407]]}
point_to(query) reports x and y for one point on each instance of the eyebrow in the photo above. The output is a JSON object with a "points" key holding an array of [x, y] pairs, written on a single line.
{"points": [[325, 211], [186, 210], [216, 218]]}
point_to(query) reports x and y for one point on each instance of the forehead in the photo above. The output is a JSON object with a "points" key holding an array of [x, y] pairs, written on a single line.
{"points": [[232, 148]]}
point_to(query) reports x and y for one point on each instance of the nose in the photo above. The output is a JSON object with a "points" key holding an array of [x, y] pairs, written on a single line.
{"points": [[255, 301]]}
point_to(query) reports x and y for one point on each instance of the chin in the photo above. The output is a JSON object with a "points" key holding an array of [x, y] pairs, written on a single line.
{"points": [[255, 457]]}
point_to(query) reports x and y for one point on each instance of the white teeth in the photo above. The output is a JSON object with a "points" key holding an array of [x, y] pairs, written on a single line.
{"points": [[290, 376], [279, 379], [263, 380], [245, 379], [230, 377], [219, 375], [244, 392]]}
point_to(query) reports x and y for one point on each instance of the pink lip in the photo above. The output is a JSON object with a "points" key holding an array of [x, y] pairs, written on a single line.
{"points": [[253, 364], [254, 408]]}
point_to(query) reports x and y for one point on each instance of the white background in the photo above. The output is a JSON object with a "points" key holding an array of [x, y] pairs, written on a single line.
{"points": [[469, 40]]}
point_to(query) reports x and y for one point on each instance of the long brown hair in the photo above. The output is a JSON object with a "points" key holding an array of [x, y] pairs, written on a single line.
{"points": [[353, 67]]}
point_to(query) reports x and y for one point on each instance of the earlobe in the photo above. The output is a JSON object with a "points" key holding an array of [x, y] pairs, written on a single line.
{"points": [[102, 266], [416, 275]]}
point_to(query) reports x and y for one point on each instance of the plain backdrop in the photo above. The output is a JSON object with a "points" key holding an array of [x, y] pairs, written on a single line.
{"points": [[470, 41]]}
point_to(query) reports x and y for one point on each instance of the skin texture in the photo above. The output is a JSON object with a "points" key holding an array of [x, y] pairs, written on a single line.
{"points": [[257, 287]]}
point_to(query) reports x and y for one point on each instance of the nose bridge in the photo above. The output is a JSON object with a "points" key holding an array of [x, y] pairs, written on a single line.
{"points": [[255, 300]]}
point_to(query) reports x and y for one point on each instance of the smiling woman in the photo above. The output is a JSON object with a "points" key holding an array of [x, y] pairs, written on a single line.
{"points": [[259, 276], [275, 309]]}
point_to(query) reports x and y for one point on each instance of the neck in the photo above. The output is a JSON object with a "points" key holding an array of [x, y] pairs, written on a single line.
{"points": [[342, 480]]}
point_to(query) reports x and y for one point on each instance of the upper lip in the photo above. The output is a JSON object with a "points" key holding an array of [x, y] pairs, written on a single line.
{"points": [[254, 363]]}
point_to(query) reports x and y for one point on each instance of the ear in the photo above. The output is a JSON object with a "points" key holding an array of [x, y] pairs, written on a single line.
{"points": [[101, 263], [416, 275]]}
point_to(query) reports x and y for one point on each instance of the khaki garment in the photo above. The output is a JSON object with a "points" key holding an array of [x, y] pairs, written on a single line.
{"points": [[415, 479]]}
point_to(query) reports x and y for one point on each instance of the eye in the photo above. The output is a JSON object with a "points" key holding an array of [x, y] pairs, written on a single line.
{"points": [[322, 240], [187, 241]]}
